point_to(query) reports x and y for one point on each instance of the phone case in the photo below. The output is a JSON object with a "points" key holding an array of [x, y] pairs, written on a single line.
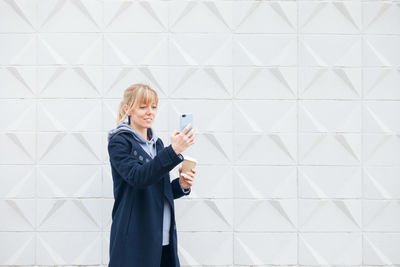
{"points": [[185, 119]]}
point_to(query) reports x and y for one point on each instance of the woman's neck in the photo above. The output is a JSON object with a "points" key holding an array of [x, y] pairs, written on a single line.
{"points": [[142, 131]]}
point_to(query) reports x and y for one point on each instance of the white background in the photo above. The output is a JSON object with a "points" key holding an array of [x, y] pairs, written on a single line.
{"points": [[296, 104]]}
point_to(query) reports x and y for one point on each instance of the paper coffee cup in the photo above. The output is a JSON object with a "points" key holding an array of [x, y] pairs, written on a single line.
{"points": [[188, 164]]}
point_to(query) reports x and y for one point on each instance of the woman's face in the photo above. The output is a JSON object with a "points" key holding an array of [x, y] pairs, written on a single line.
{"points": [[143, 115]]}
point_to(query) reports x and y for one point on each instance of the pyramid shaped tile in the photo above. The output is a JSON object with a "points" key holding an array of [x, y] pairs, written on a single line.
{"points": [[330, 17], [192, 82], [264, 50], [336, 116], [378, 116], [330, 182], [18, 49], [381, 248], [143, 16], [336, 83], [381, 51], [69, 181], [17, 181], [17, 148], [265, 215], [18, 81], [20, 215], [69, 215], [381, 83], [278, 116], [265, 248], [381, 149], [264, 17], [265, 182], [326, 248], [117, 79], [75, 148], [189, 213], [70, 48], [150, 49], [18, 16], [216, 248], [381, 215], [264, 148], [185, 16], [381, 17], [381, 182], [329, 215], [343, 148], [77, 248], [18, 248], [326, 50], [200, 49], [55, 16], [261, 83]]}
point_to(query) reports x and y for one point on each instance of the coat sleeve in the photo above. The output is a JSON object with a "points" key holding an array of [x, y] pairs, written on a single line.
{"points": [[135, 172], [177, 189]]}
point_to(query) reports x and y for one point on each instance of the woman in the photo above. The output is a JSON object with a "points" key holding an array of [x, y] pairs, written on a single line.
{"points": [[143, 231]]}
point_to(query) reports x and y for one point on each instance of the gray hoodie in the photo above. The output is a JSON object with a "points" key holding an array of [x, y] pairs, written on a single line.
{"points": [[148, 145]]}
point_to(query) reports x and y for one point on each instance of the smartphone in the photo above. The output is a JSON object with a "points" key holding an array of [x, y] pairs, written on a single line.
{"points": [[185, 119]]}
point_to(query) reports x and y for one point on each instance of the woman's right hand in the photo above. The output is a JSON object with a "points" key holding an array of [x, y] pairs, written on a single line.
{"points": [[180, 141]]}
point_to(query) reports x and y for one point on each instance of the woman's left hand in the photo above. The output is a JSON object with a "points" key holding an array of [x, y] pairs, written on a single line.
{"points": [[186, 179]]}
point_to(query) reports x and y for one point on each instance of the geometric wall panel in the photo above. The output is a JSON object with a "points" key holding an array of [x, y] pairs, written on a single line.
{"points": [[329, 215], [382, 149], [265, 83], [295, 104], [381, 17], [77, 248], [328, 116], [218, 214], [330, 17], [381, 248], [381, 182], [17, 248], [382, 215], [265, 215], [330, 149], [258, 182], [330, 182], [335, 83], [265, 248], [265, 17], [338, 248], [216, 248], [381, 83], [219, 176]]}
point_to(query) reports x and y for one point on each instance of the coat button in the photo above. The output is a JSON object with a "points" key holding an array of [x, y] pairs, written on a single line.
{"points": [[135, 153], [147, 160], [140, 157]]}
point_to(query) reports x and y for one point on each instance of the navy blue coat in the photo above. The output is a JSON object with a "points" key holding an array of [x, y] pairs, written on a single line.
{"points": [[140, 186]]}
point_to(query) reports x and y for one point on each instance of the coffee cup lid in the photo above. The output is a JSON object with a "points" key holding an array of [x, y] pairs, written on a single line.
{"points": [[189, 158]]}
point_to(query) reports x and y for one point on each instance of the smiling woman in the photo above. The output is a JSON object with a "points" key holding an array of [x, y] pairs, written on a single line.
{"points": [[142, 99], [143, 230]]}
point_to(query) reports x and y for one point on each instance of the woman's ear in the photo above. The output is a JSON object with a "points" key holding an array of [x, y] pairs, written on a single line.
{"points": [[126, 110]]}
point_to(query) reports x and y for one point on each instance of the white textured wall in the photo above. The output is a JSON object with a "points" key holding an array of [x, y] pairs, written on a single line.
{"points": [[296, 104]]}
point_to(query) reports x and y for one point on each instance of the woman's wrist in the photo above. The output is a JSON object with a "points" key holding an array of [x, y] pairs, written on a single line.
{"points": [[176, 150]]}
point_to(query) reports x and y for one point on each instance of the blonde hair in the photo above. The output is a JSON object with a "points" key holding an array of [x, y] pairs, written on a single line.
{"points": [[135, 95]]}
